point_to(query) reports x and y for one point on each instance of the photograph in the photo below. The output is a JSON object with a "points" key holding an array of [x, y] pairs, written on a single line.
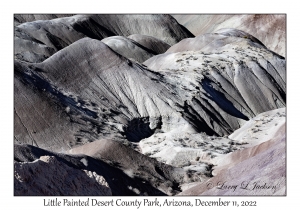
{"points": [[149, 105]]}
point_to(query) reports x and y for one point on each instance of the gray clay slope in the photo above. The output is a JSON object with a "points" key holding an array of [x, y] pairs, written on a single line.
{"points": [[37, 40], [125, 176], [128, 48], [268, 28], [148, 128], [88, 88]]}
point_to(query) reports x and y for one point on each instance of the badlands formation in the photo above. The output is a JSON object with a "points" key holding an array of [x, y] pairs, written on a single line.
{"points": [[270, 29], [139, 105]]}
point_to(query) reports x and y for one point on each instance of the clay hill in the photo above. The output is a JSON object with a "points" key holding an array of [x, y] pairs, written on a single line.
{"points": [[137, 105], [268, 28], [37, 40]]}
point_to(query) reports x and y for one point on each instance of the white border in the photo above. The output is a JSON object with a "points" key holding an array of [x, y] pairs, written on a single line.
{"points": [[152, 6]]}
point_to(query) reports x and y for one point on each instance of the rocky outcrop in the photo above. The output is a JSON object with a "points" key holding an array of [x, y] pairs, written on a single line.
{"points": [[49, 177]]}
